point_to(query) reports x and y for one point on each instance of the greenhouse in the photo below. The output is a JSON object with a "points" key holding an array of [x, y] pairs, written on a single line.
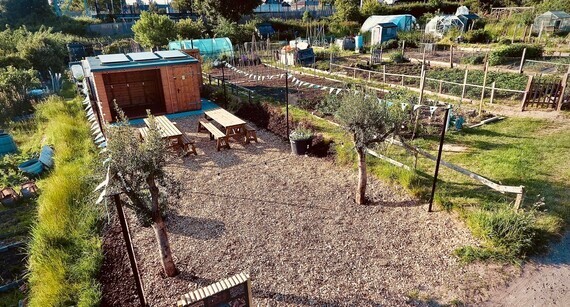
{"points": [[210, 48], [552, 21]]}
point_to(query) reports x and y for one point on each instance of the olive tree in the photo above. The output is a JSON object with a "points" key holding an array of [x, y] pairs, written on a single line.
{"points": [[368, 121], [137, 170]]}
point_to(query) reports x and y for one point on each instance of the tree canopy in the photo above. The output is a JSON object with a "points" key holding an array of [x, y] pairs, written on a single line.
{"points": [[368, 121], [189, 29], [217, 9], [153, 30], [182, 5]]}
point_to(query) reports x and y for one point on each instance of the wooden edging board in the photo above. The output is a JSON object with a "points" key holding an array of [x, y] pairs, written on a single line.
{"points": [[232, 290]]}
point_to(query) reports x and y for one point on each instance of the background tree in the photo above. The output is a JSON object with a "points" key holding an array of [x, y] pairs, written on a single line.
{"points": [[189, 29], [230, 10], [182, 5], [370, 7], [369, 122], [347, 10], [137, 170], [19, 12], [153, 30]]}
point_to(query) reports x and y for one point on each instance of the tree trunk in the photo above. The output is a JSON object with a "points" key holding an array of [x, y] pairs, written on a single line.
{"points": [[160, 231], [361, 190]]}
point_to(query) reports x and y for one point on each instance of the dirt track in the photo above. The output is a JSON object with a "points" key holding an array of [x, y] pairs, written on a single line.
{"points": [[544, 282]]}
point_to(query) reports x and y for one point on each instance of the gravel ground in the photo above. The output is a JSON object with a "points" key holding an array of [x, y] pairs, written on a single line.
{"points": [[291, 223]]}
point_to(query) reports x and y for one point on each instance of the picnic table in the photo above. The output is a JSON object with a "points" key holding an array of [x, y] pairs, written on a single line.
{"points": [[235, 126], [168, 130]]}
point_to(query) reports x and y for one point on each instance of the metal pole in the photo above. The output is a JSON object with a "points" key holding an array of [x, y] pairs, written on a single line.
{"points": [[224, 85], [442, 137], [130, 250], [287, 102]]}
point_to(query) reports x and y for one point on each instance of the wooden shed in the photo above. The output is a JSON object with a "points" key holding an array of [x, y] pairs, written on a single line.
{"points": [[163, 81]]}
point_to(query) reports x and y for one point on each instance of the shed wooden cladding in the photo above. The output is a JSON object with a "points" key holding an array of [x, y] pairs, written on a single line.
{"points": [[166, 84]]}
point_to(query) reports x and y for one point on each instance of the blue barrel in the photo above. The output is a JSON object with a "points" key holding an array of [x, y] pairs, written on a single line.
{"points": [[33, 167], [359, 42], [7, 144]]}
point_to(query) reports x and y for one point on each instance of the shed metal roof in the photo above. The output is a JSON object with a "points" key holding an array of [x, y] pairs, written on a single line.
{"points": [[98, 63]]}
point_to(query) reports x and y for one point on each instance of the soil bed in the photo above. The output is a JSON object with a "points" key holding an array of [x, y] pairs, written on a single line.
{"points": [[290, 222]]}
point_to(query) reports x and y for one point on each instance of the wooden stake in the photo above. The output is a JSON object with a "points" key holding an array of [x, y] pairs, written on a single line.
{"points": [[384, 73], [464, 85], [526, 92], [492, 92], [522, 61], [562, 91], [451, 56], [483, 89]]}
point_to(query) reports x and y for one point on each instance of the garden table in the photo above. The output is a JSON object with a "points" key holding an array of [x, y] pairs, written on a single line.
{"points": [[235, 126], [168, 130]]}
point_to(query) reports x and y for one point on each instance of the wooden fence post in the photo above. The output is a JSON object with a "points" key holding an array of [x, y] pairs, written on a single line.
{"points": [[464, 85], [451, 56], [440, 86], [527, 91], [369, 76], [422, 85], [403, 48], [519, 199], [492, 92], [402, 79], [384, 73], [522, 61], [563, 89], [484, 84], [331, 58]]}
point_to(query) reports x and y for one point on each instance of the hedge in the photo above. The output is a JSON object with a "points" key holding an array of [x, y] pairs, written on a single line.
{"points": [[65, 251]]}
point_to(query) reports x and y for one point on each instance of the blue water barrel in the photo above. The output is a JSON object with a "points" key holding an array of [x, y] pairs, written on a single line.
{"points": [[359, 42], [7, 144], [33, 166]]}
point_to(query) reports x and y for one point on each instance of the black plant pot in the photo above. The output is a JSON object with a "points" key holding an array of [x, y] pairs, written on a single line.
{"points": [[300, 147]]}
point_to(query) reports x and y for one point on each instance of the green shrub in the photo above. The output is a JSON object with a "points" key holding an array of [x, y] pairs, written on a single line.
{"points": [[329, 105], [503, 54], [397, 57], [65, 249], [390, 44], [477, 36], [412, 38]]}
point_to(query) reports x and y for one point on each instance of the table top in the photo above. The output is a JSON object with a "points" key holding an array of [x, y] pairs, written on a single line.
{"points": [[224, 118], [166, 127]]}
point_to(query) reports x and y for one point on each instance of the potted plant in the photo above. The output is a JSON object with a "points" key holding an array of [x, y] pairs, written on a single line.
{"points": [[300, 139]]}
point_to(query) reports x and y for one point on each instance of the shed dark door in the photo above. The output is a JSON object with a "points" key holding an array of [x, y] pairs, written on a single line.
{"points": [[135, 92]]}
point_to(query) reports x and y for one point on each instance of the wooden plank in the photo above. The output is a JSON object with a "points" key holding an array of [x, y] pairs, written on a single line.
{"points": [[394, 162], [562, 91], [483, 180]]}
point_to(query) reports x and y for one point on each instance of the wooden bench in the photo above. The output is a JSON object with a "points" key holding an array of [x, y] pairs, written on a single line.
{"points": [[215, 133], [143, 132], [250, 134], [188, 145]]}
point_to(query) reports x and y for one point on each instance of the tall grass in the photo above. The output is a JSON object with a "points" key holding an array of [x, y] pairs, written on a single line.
{"points": [[65, 249]]}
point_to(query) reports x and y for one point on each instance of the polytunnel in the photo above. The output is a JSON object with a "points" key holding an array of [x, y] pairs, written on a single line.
{"points": [[210, 48]]}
